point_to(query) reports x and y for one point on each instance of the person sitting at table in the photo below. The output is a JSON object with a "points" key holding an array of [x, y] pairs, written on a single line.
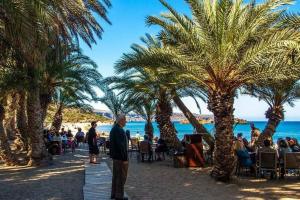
{"points": [[161, 147], [69, 134], [267, 146], [243, 154], [56, 139], [283, 148], [254, 136], [247, 145], [149, 143], [268, 149], [64, 140], [293, 144], [79, 136]]}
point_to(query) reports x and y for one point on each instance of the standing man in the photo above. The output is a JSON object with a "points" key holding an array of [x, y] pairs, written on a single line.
{"points": [[92, 141], [119, 154]]}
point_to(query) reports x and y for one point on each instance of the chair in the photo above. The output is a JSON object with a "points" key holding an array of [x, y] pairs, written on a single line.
{"points": [[134, 145], [291, 162], [241, 168], [102, 141], [145, 149], [267, 162]]}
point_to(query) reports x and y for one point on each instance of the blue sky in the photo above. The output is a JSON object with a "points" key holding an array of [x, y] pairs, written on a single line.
{"points": [[128, 25]]}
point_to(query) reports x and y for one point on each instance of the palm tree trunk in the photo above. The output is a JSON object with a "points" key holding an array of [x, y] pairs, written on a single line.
{"points": [[37, 152], [163, 119], [149, 128], [195, 123], [45, 100], [10, 116], [275, 116], [57, 119], [221, 104], [22, 119], [5, 151]]}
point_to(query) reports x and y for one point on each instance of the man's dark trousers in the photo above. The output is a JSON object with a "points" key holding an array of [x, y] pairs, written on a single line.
{"points": [[120, 169]]}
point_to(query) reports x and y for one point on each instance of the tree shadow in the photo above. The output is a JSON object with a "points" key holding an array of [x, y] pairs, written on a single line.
{"points": [[63, 179]]}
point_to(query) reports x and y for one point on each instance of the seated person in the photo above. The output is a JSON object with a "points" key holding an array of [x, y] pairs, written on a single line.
{"points": [[243, 154], [62, 131], [50, 136], [247, 145], [255, 133], [64, 140], [56, 138], [267, 147], [79, 136], [283, 148], [293, 144], [69, 134], [149, 142], [161, 147], [56, 141], [240, 136]]}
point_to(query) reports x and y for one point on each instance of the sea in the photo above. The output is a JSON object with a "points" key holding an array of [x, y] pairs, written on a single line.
{"points": [[285, 129]]}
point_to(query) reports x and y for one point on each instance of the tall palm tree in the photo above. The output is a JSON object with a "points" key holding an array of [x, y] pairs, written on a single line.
{"points": [[166, 80], [26, 25], [10, 83], [221, 48], [66, 67], [5, 151], [275, 95], [138, 83], [21, 115]]}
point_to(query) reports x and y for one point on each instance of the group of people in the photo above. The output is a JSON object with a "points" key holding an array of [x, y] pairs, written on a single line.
{"points": [[248, 152], [160, 147], [57, 142]]}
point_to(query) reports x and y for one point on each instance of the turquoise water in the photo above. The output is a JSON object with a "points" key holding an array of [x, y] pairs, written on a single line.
{"points": [[285, 129]]}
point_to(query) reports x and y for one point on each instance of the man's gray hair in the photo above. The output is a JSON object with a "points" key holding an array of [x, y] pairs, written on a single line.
{"points": [[120, 117]]}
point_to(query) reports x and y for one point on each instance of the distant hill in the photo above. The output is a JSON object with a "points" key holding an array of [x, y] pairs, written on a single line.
{"points": [[73, 115]]}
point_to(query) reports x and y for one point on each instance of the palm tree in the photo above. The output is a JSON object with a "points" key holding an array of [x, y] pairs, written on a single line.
{"points": [[275, 94], [221, 48], [67, 66], [147, 112], [25, 26], [9, 87], [68, 99], [21, 116], [144, 107], [5, 151], [169, 81], [116, 103]]}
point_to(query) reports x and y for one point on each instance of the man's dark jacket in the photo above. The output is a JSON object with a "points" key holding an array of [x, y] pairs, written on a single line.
{"points": [[118, 144]]}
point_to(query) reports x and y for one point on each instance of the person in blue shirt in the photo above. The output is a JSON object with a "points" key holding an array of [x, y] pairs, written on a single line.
{"points": [[243, 154]]}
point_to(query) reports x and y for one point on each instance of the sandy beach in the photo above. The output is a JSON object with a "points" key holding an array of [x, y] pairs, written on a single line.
{"points": [[83, 125], [160, 180]]}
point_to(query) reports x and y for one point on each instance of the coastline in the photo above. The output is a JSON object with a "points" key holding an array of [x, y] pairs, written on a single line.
{"points": [[85, 126]]}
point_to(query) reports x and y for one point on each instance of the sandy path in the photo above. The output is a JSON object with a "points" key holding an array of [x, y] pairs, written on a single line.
{"points": [[160, 180], [62, 180]]}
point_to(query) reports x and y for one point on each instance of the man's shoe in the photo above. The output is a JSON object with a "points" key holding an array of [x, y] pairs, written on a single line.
{"points": [[124, 198]]}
